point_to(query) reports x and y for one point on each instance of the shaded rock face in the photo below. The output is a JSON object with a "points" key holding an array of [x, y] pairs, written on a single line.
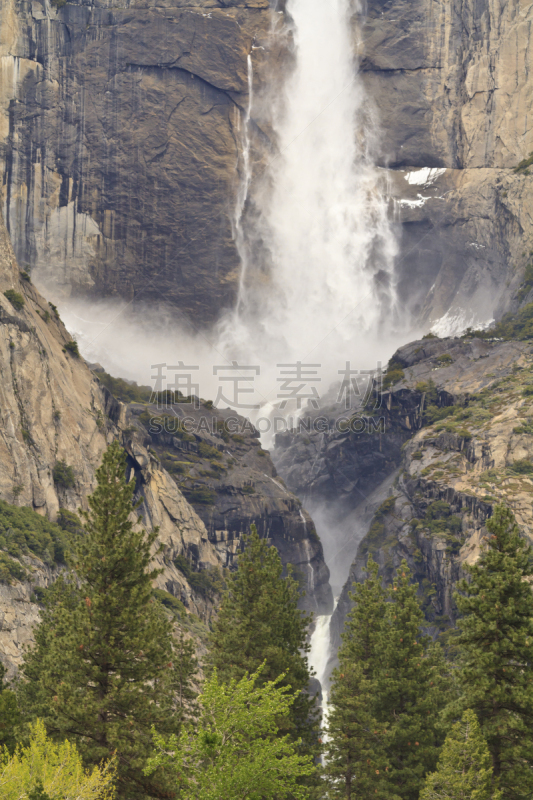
{"points": [[53, 408], [452, 86], [121, 145], [453, 469]]}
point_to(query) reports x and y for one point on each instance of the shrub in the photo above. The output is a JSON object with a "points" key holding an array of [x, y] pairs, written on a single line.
{"points": [[54, 309], [64, 475], [430, 336], [10, 570], [522, 467], [169, 601], [445, 358], [25, 277], [524, 164], [16, 299], [393, 375], [69, 521], [206, 451], [202, 496], [72, 348], [23, 531], [206, 581], [247, 489]]}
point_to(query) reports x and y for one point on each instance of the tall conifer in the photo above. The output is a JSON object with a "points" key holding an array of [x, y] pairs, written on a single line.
{"points": [[101, 671], [410, 690], [464, 770], [355, 757], [495, 643], [259, 621], [386, 696]]}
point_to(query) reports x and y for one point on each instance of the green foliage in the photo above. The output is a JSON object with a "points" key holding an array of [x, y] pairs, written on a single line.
{"points": [[11, 570], [464, 770], [58, 3], [9, 715], [23, 531], [355, 752], [237, 750], [430, 336], [524, 164], [124, 390], [16, 299], [201, 495], [438, 518], [63, 475], [208, 581], [206, 451], [24, 276], [432, 413], [259, 619], [70, 522], [494, 642], [104, 664], [169, 601], [72, 348], [444, 359], [377, 532], [54, 309], [393, 375], [522, 467], [527, 283], [386, 695], [517, 325], [45, 770]]}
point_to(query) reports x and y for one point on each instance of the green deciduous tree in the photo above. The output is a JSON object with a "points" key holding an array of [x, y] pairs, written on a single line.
{"points": [[259, 621], [495, 644], [104, 666], [45, 770], [236, 752], [464, 770]]}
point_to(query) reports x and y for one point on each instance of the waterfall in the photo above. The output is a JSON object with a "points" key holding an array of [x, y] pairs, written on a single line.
{"points": [[319, 659], [244, 187], [320, 280]]}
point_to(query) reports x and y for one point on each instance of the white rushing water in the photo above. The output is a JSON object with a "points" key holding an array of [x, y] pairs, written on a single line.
{"points": [[325, 285], [316, 281]]}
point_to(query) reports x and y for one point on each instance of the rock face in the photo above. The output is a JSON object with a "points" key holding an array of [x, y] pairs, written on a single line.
{"points": [[468, 404], [53, 409], [452, 87], [121, 145]]}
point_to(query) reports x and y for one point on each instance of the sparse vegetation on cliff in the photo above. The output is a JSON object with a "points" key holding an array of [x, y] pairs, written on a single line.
{"points": [[15, 298], [64, 475]]}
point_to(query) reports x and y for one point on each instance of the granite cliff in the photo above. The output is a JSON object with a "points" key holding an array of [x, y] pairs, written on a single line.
{"points": [[462, 407], [121, 144], [54, 411]]}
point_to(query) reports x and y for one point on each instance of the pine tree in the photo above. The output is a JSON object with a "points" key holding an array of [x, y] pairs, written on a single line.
{"points": [[409, 690], [259, 621], [495, 644], [101, 670], [464, 771], [354, 752], [9, 713]]}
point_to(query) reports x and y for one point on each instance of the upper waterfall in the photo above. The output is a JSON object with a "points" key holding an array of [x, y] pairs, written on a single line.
{"points": [[322, 279]]}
